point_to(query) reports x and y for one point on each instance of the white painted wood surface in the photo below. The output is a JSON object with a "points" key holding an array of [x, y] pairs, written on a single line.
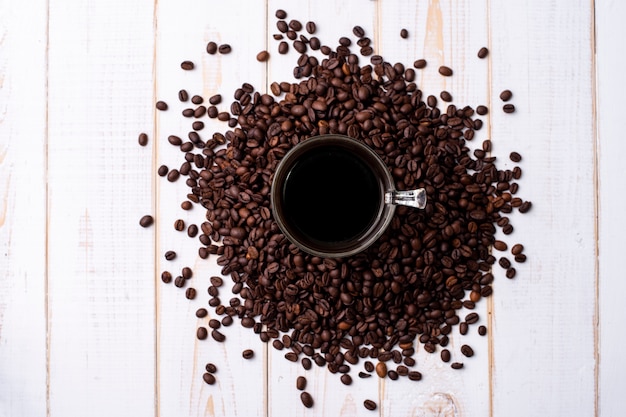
{"points": [[88, 329]]}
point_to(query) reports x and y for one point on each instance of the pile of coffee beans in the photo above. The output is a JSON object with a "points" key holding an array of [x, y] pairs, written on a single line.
{"points": [[406, 290]]}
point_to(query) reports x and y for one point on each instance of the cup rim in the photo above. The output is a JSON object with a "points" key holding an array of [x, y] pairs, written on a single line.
{"points": [[373, 232]]}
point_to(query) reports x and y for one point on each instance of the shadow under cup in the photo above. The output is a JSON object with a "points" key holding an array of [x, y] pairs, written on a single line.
{"points": [[333, 196]]}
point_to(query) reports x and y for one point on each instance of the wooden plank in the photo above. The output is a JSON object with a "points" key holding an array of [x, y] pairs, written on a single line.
{"points": [[544, 320], [443, 33], [184, 29], [610, 32], [23, 40], [101, 286]]}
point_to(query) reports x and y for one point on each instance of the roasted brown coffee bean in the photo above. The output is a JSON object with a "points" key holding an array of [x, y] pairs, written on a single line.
{"points": [[346, 379], [161, 105], [224, 49], [404, 33], [467, 350], [510, 272], [142, 139], [500, 245], [358, 31], [508, 108], [515, 157], [370, 405], [445, 355], [196, 99], [471, 318], [457, 365], [170, 255], [280, 14], [208, 378], [504, 262], [420, 63], [163, 170], [463, 328], [190, 293], [247, 354], [146, 221], [166, 277], [187, 65], [483, 52], [262, 56], [506, 95], [179, 225], [306, 399], [202, 333], [183, 96], [381, 369], [217, 335], [201, 313], [517, 249], [301, 383], [482, 110], [445, 71], [415, 376], [211, 47], [311, 27], [210, 368], [445, 96]]}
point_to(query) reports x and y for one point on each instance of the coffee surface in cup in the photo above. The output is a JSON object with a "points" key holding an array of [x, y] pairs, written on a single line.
{"points": [[331, 195]]}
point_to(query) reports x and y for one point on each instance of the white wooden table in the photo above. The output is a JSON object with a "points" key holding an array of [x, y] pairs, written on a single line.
{"points": [[88, 329]]}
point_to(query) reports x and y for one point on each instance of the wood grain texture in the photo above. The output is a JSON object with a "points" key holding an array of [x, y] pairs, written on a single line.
{"points": [[86, 326], [544, 320], [610, 35], [101, 288], [23, 138]]}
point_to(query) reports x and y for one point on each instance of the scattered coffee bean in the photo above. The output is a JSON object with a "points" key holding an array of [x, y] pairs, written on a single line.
{"points": [[445, 71], [306, 399], [280, 14], [208, 378], [482, 330], [404, 33], [457, 365], [508, 108], [515, 157], [142, 139], [445, 355], [146, 221], [467, 350], [224, 49], [166, 277], [202, 333], [163, 170], [311, 27], [170, 255], [262, 56], [506, 95], [217, 335], [483, 52], [420, 63], [381, 369], [510, 272], [211, 47], [482, 110], [201, 312], [187, 65], [301, 383], [370, 405], [500, 245], [517, 249], [161, 105], [358, 31], [445, 96], [247, 354], [415, 376]]}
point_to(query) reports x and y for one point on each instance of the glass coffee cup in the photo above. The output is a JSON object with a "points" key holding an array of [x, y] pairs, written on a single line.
{"points": [[333, 196]]}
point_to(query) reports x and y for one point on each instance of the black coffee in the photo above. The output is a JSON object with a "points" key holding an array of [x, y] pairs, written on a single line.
{"points": [[331, 195]]}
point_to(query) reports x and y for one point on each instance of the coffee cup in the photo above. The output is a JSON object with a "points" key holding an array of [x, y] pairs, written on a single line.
{"points": [[333, 196]]}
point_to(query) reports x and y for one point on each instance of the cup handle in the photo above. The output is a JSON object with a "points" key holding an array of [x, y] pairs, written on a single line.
{"points": [[412, 198]]}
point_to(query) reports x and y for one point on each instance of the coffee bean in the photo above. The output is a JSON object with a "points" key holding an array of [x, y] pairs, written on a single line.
{"points": [[146, 221], [482, 330], [142, 139], [381, 369], [500, 245], [483, 52], [482, 110], [515, 157], [370, 405], [202, 333], [311, 27], [457, 365], [510, 272], [466, 350], [508, 108], [521, 258], [166, 277], [224, 49], [211, 47], [445, 355], [420, 63], [445, 71], [445, 96], [190, 293], [506, 95], [404, 33], [463, 328], [262, 56], [161, 105], [358, 31], [163, 170], [283, 48], [301, 383], [346, 379], [187, 65], [517, 249], [208, 378], [201, 313], [247, 354], [306, 399], [210, 368], [415, 376], [280, 14], [217, 335], [504, 262], [170, 255]]}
